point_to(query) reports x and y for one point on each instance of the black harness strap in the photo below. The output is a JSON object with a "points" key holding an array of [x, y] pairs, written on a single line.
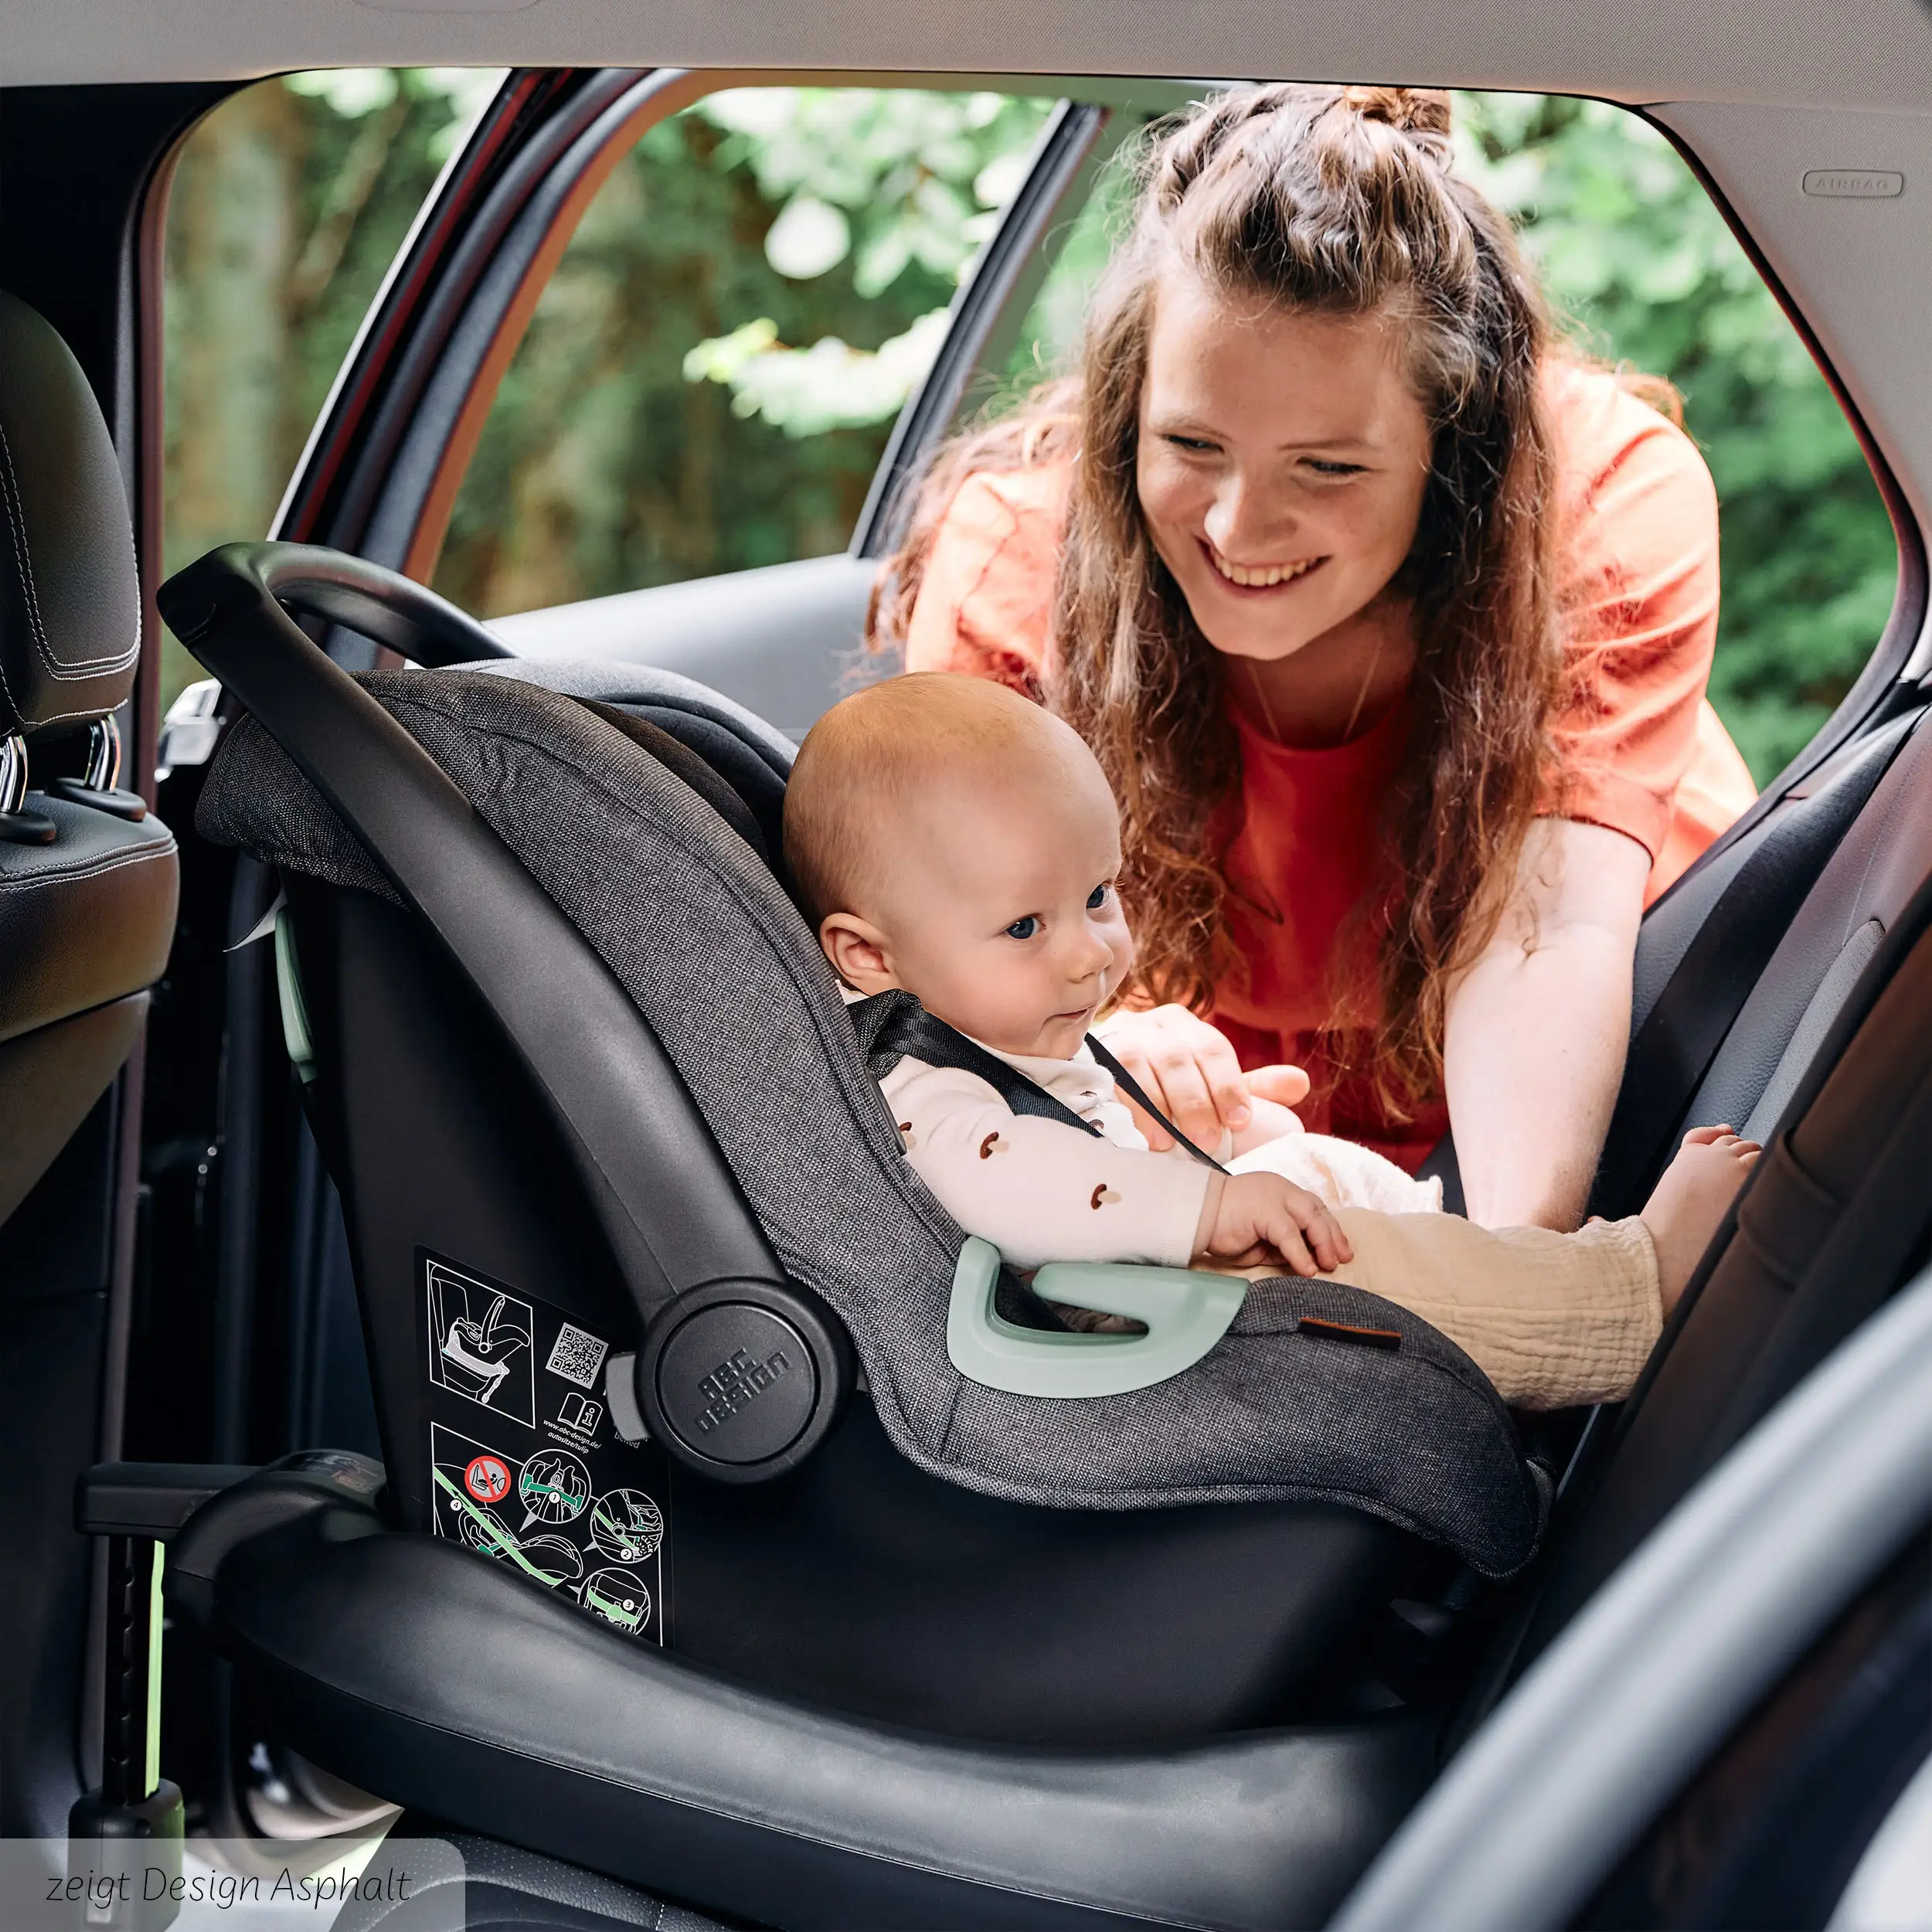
{"points": [[1131, 1088], [892, 1026]]}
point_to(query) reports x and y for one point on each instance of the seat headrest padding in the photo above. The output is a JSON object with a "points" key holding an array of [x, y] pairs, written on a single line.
{"points": [[69, 593]]}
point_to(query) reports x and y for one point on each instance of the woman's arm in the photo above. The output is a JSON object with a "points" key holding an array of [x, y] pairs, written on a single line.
{"points": [[1538, 1026]]}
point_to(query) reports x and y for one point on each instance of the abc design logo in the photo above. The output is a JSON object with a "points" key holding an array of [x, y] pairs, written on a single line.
{"points": [[733, 1385]]}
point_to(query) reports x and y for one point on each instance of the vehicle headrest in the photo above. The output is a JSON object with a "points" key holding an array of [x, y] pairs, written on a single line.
{"points": [[69, 593]]}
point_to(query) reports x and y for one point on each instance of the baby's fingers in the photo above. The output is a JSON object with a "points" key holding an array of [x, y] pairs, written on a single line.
{"points": [[1288, 1243], [1325, 1236]]}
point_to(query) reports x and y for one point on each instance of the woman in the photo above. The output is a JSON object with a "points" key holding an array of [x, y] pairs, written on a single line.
{"points": [[1390, 624]]}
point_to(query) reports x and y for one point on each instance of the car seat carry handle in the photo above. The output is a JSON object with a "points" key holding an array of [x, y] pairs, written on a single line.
{"points": [[1185, 1310], [375, 603], [632, 1134]]}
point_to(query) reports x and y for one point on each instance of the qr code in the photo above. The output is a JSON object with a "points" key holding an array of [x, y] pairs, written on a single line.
{"points": [[577, 1356]]}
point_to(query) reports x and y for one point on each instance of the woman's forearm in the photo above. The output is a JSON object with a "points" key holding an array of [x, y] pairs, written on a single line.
{"points": [[1534, 1056], [1538, 1027]]}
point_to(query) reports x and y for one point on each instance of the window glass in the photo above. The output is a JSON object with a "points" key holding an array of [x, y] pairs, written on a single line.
{"points": [[1645, 272], [710, 376], [288, 203]]}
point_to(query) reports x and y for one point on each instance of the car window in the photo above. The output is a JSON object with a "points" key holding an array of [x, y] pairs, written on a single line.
{"points": [[287, 203], [712, 373]]}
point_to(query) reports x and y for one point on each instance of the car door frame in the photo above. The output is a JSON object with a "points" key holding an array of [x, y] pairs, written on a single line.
{"points": [[389, 450]]}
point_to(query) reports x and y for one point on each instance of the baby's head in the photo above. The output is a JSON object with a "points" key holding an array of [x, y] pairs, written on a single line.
{"points": [[953, 839]]}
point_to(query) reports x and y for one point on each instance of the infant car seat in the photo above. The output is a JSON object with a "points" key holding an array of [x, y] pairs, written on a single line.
{"points": [[618, 1183]]}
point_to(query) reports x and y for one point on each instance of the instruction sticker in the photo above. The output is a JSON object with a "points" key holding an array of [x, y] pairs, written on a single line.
{"points": [[526, 1467]]}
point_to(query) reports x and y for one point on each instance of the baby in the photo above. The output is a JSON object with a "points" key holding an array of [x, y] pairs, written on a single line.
{"points": [[959, 843]]}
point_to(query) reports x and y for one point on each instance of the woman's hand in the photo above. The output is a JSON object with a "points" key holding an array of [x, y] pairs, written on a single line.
{"points": [[1190, 1073]]}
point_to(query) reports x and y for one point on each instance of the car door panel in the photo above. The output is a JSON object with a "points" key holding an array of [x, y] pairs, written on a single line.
{"points": [[784, 642]]}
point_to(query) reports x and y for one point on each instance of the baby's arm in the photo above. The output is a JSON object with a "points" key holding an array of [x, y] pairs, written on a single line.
{"points": [[1038, 1190], [1250, 1217]]}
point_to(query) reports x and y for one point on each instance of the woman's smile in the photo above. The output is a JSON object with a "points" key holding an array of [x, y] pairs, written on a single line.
{"points": [[1257, 576], [1280, 464]]}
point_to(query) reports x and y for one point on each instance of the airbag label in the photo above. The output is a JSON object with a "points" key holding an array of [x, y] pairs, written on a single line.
{"points": [[526, 1466]]}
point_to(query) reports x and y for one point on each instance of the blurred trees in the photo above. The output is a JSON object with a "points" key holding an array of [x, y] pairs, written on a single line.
{"points": [[289, 201], [1639, 262], [710, 378]]}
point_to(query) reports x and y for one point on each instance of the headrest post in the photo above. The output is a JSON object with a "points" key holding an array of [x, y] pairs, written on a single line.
{"points": [[18, 826], [13, 773], [104, 754]]}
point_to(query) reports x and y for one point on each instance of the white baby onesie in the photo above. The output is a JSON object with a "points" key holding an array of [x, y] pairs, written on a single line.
{"points": [[1041, 1191]]}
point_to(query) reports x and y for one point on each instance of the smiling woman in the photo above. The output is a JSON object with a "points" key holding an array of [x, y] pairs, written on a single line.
{"points": [[1390, 622]]}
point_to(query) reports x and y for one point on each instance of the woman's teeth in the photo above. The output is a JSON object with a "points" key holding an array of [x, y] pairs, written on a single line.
{"points": [[1264, 578]]}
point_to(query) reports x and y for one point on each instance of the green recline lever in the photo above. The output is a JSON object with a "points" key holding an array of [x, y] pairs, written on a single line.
{"points": [[1186, 1312]]}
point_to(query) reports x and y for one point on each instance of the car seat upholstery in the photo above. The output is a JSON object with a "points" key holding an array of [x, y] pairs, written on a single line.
{"points": [[1730, 935], [1872, 875], [88, 882]]}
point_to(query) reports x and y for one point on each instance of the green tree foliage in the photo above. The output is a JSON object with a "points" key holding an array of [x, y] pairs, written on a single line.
{"points": [[288, 203], [709, 381], [1641, 264]]}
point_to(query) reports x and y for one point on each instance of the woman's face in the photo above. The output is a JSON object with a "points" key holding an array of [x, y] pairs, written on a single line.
{"points": [[1281, 464]]}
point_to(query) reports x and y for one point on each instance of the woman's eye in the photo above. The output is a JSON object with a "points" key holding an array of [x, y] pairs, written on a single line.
{"points": [[1322, 467], [1194, 445], [1097, 898], [1023, 928]]}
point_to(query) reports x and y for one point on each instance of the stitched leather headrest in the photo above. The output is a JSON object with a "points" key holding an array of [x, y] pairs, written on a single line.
{"points": [[69, 594]]}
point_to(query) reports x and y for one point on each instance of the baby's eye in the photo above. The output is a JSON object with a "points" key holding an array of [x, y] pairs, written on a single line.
{"points": [[1023, 928], [1098, 897]]}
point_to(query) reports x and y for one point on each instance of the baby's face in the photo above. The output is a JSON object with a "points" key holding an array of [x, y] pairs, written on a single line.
{"points": [[1001, 916]]}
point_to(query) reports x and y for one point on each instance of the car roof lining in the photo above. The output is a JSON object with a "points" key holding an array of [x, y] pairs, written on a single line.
{"points": [[1857, 53]]}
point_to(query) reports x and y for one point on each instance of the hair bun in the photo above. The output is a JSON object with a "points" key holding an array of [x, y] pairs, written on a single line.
{"points": [[1410, 110]]}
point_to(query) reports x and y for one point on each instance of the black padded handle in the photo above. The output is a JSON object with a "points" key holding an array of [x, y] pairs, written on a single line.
{"points": [[668, 1205], [375, 603]]}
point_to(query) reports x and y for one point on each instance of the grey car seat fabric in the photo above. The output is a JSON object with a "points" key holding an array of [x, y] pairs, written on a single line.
{"points": [[698, 932]]}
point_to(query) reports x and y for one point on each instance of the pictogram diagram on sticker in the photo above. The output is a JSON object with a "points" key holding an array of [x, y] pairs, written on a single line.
{"points": [[527, 1465], [479, 1343], [540, 1517]]}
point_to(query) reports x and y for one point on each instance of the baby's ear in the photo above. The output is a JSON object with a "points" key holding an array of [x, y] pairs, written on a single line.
{"points": [[858, 953]]}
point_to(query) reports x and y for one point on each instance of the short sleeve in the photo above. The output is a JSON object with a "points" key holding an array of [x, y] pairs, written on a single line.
{"points": [[985, 604], [1637, 593]]}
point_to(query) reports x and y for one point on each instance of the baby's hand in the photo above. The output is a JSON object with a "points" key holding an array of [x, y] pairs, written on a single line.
{"points": [[1251, 1218]]}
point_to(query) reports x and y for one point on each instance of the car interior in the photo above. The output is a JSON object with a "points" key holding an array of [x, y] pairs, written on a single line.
{"points": [[373, 1050]]}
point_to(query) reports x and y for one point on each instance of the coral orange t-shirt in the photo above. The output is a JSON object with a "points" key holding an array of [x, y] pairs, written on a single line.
{"points": [[1639, 748]]}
